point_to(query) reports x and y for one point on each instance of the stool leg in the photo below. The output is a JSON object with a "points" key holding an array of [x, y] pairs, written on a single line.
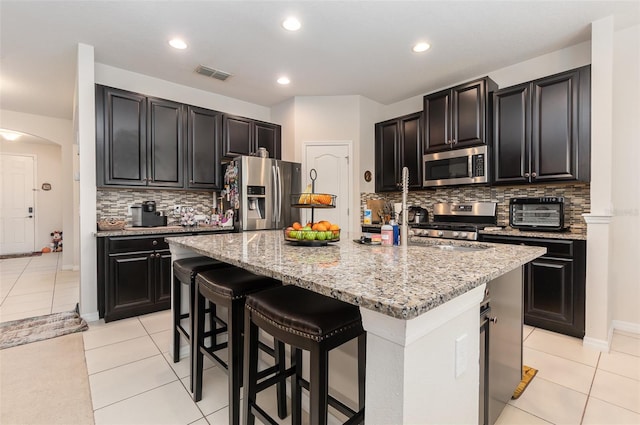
{"points": [[197, 335], [296, 388], [250, 367], [362, 371], [192, 325], [318, 386], [234, 362], [176, 319], [282, 384]]}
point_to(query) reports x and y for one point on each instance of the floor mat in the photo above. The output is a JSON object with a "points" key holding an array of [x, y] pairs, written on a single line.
{"points": [[527, 375], [24, 331], [25, 254], [46, 383]]}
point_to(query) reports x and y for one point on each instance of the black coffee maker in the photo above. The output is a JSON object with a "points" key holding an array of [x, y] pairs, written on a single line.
{"points": [[145, 215]]}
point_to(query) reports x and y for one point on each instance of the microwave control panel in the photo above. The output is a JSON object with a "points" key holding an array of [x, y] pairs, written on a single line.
{"points": [[477, 163]]}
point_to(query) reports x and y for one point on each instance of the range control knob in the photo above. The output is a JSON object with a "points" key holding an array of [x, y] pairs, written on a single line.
{"points": [[463, 235], [440, 233], [455, 234]]}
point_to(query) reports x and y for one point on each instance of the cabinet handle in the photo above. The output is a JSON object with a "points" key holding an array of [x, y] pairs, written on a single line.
{"points": [[447, 142], [154, 243], [454, 141], [526, 175], [158, 255], [534, 175]]}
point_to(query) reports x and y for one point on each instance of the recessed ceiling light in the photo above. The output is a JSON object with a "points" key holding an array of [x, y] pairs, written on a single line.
{"points": [[284, 81], [9, 135], [291, 24], [421, 47], [177, 43]]}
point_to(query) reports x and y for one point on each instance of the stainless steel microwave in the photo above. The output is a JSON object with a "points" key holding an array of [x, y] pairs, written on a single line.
{"points": [[455, 167]]}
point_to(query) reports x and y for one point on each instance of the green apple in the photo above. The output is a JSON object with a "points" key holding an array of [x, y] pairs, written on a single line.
{"points": [[293, 234], [328, 235], [311, 235], [321, 236], [300, 235]]}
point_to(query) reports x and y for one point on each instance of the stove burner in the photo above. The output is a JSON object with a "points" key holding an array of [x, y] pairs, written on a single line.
{"points": [[458, 221]]}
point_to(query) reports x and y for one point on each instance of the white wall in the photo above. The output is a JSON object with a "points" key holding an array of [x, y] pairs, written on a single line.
{"points": [[626, 183], [58, 131], [48, 203], [284, 114], [139, 83]]}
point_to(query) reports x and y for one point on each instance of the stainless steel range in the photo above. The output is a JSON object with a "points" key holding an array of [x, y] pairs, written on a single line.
{"points": [[458, 220]]}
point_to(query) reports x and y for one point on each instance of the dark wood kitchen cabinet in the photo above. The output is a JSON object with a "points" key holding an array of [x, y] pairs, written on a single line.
{"points": [[134, 276], [204, 132], [139, 140], [542, 129], [243, 136], [398, 145], [458, 117], [554, 294]]}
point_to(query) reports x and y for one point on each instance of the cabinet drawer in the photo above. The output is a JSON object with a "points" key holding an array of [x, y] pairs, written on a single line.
{"points": [[129, 244], [556, 248]]}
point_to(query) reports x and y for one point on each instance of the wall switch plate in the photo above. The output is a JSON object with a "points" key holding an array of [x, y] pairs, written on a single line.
{"points": [[176, 209]]}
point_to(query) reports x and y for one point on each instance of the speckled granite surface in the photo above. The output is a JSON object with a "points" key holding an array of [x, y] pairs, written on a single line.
{"points": [[402, 282], [141, 231], [510, 231]]}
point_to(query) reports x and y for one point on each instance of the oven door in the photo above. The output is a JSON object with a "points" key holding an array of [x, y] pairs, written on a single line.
{"points": [[460, 166], [537, 216]]}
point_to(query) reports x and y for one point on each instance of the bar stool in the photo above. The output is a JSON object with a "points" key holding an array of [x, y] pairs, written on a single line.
{"points": [[184, 273], [307, 321], [229, 288]]}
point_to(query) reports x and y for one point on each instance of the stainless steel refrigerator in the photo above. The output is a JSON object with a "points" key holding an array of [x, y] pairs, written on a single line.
{"points": [[265, 187]]}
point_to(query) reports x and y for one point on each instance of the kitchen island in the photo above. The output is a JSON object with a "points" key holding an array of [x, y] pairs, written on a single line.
{"points": [[419, 305]]}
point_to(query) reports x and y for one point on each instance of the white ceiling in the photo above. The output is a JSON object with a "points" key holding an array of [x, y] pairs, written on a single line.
{"points": [[344, 48]]}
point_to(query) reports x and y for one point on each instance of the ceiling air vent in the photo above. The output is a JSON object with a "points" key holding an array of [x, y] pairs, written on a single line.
{"points": [[213, 73]]}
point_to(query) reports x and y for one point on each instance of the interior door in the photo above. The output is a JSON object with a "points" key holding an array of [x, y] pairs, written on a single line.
{"points": [[332, 162], [17, 212]]}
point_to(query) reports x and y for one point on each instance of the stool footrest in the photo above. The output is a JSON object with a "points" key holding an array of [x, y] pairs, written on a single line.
{"points": [[274, 379], [333, 402], [210, 354], [262, 415]]}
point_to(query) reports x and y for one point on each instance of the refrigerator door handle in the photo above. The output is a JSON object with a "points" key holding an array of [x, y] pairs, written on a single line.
{"points": [[279, 203], [274, 196]]}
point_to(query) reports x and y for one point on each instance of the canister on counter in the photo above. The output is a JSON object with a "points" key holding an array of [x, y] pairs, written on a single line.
{"points": [[367, 216]]}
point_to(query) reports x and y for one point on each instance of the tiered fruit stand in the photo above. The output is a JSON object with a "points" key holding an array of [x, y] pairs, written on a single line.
{"points": [[312, 201]]}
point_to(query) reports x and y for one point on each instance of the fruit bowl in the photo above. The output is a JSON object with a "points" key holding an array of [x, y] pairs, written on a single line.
{"points": [[311, 237], [315, 200]]}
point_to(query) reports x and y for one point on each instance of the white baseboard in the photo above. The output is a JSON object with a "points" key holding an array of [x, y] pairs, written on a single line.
{"points": [[91, 317], [596, 344], [626, 326]]}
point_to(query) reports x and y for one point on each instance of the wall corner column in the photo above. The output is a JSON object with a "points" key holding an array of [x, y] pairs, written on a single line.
{"points": [[598, 284]]}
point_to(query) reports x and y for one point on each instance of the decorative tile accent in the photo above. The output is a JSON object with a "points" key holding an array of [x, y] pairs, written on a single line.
{"points": [[115, 202], [577, 198]]}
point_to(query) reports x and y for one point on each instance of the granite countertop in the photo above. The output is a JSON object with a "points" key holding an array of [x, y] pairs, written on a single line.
{"points": [[140, 231], [402, 282], [510, 231]]}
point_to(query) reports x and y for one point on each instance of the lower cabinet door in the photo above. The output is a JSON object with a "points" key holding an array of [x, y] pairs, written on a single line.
{"points": [[163, 280], [130, 288], [550, 294]]}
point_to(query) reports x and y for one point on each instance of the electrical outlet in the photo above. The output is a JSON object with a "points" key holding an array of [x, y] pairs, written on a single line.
{"points": [[176, 209]]}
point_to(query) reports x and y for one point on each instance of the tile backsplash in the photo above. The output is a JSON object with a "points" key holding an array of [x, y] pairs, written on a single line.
{"points": [[577, 198], [116, 202]]}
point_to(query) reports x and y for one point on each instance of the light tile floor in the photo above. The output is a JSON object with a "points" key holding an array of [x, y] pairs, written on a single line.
{"points": [[32, 286], [134, 381]]}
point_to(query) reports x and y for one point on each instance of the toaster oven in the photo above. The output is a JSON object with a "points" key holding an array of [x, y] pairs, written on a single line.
{"points": [[544, 213]]}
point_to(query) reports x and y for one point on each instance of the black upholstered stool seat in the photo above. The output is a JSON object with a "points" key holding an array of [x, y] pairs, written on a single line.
{"points": [[228, 288], [184, 273], [307, 321]]}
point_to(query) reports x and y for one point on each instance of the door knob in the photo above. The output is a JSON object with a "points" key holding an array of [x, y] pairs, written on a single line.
{"points": [[493, 319]]}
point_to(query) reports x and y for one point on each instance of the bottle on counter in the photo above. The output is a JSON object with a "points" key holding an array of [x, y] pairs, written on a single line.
{"points": [[396, 232], [386, 233]]}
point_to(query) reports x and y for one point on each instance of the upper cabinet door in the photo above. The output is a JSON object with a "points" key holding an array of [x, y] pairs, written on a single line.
{"points": [[267, 135], [121, 137], [387, 155], [554, 136], [512, 134], [437, 110], [203, 148], [468, 114], [411, 148], [165, 147], [237, 136]]}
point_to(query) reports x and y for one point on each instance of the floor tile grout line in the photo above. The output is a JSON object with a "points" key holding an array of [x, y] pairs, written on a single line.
{"points": [[561, 357], [593, 379], [132, 396], [113, 343], [614, 404], [16, 281], [123, 364], [532, 414], [563, 386]]}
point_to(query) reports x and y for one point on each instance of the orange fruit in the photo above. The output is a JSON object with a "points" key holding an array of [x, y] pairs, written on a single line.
{"points": [[326, 223], [334, 227], [297, 226], [320, 227], [315, 226]]}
